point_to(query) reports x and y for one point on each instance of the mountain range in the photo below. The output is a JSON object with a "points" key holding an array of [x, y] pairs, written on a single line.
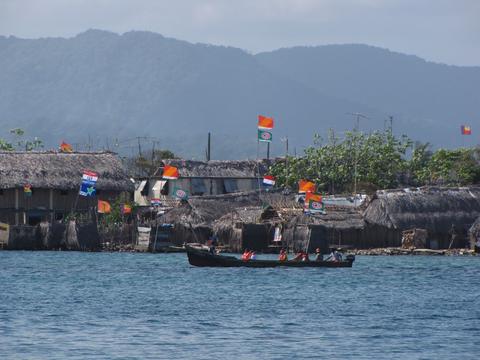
{"points": [[104, 90]]}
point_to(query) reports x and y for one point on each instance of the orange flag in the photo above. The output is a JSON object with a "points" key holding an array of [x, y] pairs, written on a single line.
{"points": [[310, 196], [64, 147], [170, 172], [265, 122], [103, 207], [305, 186]]}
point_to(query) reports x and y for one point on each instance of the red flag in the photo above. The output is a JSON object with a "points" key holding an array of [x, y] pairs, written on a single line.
{"points": [[265, 122], [305, 186], [466, 130], [126, 209], [170, 172], [64, 147]]}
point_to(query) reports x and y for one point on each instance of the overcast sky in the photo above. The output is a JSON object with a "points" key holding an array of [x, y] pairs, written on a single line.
{"points": [[446, 31]]}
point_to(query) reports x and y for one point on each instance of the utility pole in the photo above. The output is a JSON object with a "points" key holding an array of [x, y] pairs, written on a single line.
{"points": [[209, 147], [153, 151], [139, 147], [357, 116], [285, 140]]}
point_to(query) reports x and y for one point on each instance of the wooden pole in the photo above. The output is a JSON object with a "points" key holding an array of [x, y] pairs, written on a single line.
{"points": [[209, 147]]}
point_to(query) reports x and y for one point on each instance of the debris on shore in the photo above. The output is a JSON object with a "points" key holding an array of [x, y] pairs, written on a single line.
{"points": [[413, 251]]}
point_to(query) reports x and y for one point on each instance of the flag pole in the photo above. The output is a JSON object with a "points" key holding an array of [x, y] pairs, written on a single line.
{"points": [[258, 168]]}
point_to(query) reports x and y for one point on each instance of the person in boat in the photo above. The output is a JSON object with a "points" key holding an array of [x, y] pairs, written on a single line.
{"points": [[305, 256], [212, 243], [301, 256], [318, 255], [298, 256], [335, 256], [283, 255], [253, 256], [246, 255]]}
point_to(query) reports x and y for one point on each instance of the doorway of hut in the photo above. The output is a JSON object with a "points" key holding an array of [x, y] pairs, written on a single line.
{"points": [[35, 217], [318, 238], [257, 237]]}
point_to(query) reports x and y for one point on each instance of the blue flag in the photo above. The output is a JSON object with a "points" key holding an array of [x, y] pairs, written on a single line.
{"points": [[87, 188]]}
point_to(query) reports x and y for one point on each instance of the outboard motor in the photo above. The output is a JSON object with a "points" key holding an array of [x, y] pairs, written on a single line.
{"points": [[350, 258]]}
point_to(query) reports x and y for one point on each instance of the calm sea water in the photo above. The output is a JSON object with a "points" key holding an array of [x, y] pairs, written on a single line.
{"points": [[57, 305]]}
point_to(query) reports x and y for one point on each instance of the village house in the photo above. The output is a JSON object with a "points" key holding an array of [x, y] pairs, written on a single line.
{"points": [[54, 179], [202, 178]]}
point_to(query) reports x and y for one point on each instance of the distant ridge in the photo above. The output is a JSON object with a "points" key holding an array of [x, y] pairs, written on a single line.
{"points": [[105, 85]]}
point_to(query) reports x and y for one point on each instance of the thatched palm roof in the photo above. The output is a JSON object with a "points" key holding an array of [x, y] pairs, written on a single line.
{"points": [[338, 219], [218, 168], [63, 171], [431, 208], [205, 210]]}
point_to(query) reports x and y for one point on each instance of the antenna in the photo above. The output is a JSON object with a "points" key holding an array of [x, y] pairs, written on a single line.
{"points": [[357, 116]]}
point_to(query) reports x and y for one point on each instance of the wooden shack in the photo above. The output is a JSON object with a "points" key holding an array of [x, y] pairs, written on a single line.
{"points": [[339, 227], [193, 220], [203, 178]]}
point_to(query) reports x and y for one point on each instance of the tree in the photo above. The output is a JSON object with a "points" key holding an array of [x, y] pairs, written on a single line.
{"points": [[19, 143], [380, 158]]}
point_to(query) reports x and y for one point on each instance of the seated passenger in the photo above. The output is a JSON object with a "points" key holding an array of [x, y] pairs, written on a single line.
{"points": [[318, 255], [335, 256], [305, 257], [246, 255], [283, 255], [253, 256], [299, 256]]}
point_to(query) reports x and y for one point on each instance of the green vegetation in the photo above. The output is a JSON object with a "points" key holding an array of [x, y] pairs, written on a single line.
{"points": [[19, 142], [382, 161]]}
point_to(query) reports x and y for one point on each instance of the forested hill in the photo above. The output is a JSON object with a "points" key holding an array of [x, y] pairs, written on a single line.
{"points": [[105, 86]]}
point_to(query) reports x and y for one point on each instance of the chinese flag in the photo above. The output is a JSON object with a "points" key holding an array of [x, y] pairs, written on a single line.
{"points": [[265, 122], [103, 207], [170, 172], [305, 186]]}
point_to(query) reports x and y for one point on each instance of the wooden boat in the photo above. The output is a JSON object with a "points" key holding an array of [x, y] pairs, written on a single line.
{"points": [[198, 257]]}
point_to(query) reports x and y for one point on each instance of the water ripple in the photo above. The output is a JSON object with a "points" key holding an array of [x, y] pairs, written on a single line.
{"points": [[60, 305]]}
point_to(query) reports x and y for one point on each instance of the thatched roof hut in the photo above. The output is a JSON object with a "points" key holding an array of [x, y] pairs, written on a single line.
{"points": [[218, 168], [339, 227], [446, 213], [193, 219], [62, 171], [474, 235]]}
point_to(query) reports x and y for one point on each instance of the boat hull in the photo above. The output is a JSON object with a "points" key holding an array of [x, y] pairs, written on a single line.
{"points": [[205, 259]]}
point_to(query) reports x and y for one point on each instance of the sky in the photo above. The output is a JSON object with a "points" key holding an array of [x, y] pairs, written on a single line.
{"points": [[444, 31]]}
